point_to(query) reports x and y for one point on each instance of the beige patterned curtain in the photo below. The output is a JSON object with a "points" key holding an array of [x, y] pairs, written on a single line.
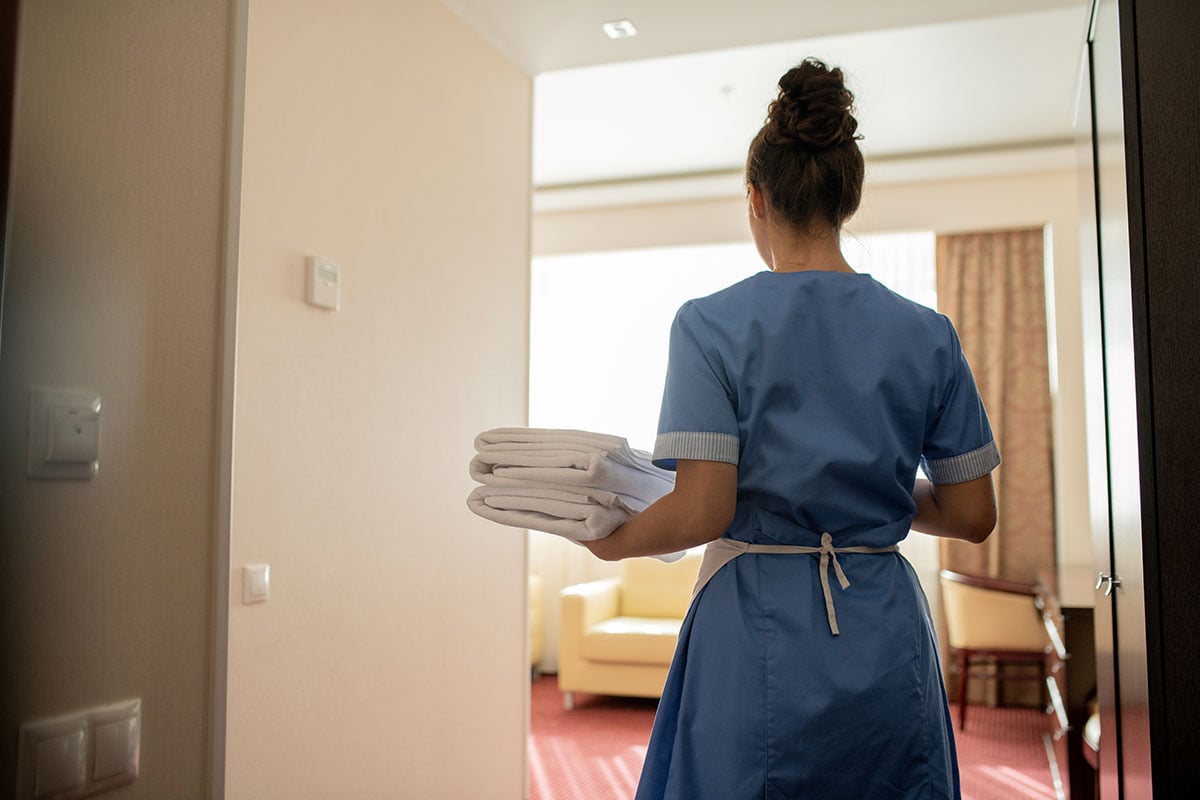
{"points": [[992, 286]]}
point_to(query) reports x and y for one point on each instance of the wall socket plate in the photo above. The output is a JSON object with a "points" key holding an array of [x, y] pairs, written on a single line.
{"points": [[64, 434]]}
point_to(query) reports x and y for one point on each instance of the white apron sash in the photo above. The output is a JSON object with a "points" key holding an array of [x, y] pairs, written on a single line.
{"points": [[720, 552]]}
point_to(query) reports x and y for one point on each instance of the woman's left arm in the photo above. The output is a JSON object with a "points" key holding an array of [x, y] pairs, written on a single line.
{"points": [[698, 510]]}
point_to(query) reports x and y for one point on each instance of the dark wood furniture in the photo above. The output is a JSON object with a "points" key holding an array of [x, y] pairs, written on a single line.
{"points": [[1070, 687]]}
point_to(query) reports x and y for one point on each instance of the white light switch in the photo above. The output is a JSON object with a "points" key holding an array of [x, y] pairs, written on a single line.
{"points": [[116, 734], [323, 283], [115, 751], [54, 755], [60, 764], [256, 583], [51, 757]]}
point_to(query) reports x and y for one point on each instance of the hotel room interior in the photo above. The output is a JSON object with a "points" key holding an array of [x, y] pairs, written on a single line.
{"points": [[288, 257]]}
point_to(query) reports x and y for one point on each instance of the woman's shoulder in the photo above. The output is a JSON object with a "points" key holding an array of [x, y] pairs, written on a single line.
{"points": [[817, 290], [832, 299], [745, 290], [719, 303]]}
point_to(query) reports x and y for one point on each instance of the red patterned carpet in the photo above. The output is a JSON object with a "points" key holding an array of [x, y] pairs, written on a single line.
{"points": [[1001, 755], [595, 752]]}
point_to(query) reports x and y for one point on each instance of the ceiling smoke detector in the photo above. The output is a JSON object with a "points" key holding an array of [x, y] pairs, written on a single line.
{"points": [[620, 29]]}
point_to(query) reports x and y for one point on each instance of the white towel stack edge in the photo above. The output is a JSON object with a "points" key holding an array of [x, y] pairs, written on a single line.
{"points": [[575, 484]]}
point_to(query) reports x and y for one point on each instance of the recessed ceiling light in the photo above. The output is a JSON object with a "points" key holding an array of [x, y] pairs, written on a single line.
{"points": [[620, 29]]}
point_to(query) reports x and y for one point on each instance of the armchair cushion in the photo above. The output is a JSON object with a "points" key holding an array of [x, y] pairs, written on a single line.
{"points": [[537, 616], [618, 635], [632, 640], [987, 619]]}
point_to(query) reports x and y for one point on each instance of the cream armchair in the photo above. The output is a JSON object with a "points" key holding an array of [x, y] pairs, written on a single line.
{"points": [[617, 635], [537, 617]]}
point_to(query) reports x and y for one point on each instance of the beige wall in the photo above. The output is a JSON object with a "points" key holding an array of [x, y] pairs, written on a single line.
{"points": [[1048, 197], [114, 266], [390, 660]]}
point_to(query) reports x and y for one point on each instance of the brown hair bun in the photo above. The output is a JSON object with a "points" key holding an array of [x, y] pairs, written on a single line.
{"points": [[805, 159], [814, 108]]}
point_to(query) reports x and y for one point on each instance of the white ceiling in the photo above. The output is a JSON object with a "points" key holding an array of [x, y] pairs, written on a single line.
{"points": [[686, 95], [545, 35]]}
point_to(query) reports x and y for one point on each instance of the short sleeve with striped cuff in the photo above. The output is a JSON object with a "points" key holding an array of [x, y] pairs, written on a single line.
{"points": [[698, 420], [959, 446]]}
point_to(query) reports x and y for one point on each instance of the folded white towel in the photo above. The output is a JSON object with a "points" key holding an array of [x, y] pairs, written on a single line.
{"points": [[582, 516], [576, 484], [546, 456]]}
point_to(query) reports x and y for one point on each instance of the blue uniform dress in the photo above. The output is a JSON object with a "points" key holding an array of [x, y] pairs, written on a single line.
{"points": [[827, 390]]}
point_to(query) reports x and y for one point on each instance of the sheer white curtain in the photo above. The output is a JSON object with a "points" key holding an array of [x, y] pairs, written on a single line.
{"points": [[598, 354]]}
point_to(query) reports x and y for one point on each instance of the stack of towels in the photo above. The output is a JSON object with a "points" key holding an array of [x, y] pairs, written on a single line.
{"points": [[576, 484]]}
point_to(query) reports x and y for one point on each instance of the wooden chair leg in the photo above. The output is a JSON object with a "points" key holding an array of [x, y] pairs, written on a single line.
{"points": [[569, 701], [963, 672]]}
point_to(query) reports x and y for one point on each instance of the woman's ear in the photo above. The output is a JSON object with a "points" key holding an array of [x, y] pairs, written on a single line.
{"points": [[758, 203]]}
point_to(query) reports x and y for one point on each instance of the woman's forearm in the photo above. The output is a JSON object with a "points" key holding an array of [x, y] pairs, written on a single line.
{"points": [[698, 510], [927, 518], [964, 511], [667, 526]]}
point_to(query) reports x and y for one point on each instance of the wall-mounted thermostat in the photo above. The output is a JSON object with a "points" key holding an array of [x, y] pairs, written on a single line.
{"points": [[323, 283], [64, 434]]}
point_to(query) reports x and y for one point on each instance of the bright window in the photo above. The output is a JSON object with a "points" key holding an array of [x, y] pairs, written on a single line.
{"points": [[599, 321]]}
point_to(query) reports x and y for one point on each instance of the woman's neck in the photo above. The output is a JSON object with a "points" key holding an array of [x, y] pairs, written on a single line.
{"points": [[807, 253], [823, 256]]}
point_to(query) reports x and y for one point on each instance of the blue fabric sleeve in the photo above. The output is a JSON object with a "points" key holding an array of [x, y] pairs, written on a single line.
{"points": [[959, 445], [698, 420]]}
